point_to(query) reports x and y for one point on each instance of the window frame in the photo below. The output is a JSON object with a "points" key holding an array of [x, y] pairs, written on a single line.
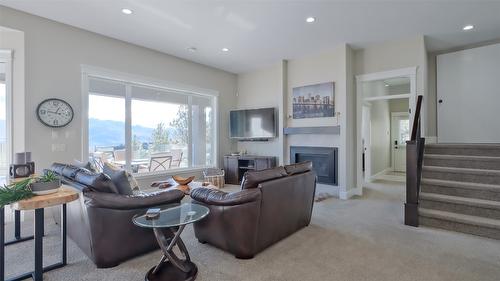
{"points": [[6, 57], [130, 80]]}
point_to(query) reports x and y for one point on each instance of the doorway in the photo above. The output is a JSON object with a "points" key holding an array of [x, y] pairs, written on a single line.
{"points": [[384, 103], [400, 133]]}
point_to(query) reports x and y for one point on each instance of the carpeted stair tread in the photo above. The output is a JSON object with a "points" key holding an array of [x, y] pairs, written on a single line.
{"points": [[461, 170], [480, 203], [464, 145], [461, 157], [492, 149], [462, 161], [459, 184], [460, 218]]}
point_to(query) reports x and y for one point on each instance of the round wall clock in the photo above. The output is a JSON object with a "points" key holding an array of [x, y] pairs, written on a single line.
{"points": [[54, 113]]}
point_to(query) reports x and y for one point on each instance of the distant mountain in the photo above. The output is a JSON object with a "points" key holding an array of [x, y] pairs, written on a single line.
{"points": [[112, 133]]}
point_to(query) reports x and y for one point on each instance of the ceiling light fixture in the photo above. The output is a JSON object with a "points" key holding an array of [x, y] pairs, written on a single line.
{"points": [[310, 19], [468, 27], [192, 49], [225, 49], [127, 11]]}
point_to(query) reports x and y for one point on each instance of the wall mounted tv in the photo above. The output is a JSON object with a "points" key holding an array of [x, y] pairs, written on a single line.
{"points": [[252, 124]]}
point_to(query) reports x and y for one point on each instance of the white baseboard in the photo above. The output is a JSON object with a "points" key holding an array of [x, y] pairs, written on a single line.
{"points": [[392, 178], [344, 195], [380, 174]]}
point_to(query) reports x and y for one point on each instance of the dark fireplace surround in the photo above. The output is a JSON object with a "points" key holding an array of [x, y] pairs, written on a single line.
{"points": [[324, 159]]}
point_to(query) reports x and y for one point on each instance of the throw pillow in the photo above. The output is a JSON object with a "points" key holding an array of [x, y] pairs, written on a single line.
{"points": [[121, 182], [110, 170], [86, 165]]}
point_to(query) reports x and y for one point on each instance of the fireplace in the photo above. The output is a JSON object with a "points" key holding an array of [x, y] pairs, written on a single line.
{"points": [[324, 161]]}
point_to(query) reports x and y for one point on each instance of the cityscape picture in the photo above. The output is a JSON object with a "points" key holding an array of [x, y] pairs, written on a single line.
{"points": [[314, 101]]}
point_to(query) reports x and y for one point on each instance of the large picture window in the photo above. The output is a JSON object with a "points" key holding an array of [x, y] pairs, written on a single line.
{"points": [[149, 129]]}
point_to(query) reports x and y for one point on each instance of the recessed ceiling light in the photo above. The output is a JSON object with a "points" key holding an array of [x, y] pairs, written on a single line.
{"points": [[468, 27], [192, 49], [225, 49], [310, 19], [387, 85], [127, 11]]}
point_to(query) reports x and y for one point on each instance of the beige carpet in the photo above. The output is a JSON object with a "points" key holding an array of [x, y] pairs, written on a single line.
{"points": [[360, 239]]}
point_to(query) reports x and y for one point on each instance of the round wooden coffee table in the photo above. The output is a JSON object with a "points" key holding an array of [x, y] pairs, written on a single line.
{"points": [[167, 228]]}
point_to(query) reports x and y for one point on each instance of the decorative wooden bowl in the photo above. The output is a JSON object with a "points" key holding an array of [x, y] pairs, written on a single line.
{"points": [[183, 181]]}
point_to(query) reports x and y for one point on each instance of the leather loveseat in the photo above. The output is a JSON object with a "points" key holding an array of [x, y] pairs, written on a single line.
{"points": [[100, 222], [271, 205]]}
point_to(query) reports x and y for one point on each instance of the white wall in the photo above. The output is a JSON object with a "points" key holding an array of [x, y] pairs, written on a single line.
{"points": [[54, 53], [11, 39], [258, 89], [273, 86], [380, 136], [408, 52], [468, 84]]}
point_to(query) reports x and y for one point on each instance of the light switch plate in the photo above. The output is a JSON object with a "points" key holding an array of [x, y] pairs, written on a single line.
{"points": [[58, 147]]}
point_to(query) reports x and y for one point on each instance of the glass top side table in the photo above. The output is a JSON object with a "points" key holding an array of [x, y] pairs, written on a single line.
{"points": [[167, 228]]}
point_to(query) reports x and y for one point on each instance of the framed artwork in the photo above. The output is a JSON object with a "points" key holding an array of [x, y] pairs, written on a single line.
{"points": [[314, 101]]}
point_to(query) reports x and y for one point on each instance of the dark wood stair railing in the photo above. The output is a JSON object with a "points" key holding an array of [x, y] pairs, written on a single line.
{"points": [[414, 160]]}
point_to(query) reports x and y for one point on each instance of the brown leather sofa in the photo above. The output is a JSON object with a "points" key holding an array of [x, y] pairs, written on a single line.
{"points": [[271, 205], [100, 222]]}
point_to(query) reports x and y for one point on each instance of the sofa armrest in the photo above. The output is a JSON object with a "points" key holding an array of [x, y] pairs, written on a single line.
{"points": [[136, 201], [220, 198]]}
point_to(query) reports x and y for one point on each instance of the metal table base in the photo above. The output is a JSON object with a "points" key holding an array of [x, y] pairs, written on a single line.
{"points": [[37, 273]]}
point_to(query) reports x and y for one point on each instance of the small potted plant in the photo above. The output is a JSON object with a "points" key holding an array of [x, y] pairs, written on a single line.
{"points": [[47, 184], [15, 192]]}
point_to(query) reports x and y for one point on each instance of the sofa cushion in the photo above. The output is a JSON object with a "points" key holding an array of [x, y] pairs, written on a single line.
{"points": [[298, 168], [96, 181], [251, 179], [217, 197]]}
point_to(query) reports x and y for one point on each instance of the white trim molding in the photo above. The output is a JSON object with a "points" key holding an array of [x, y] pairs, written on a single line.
{"points": [[344, 195], [380, 174], [100, 72], [411, 74], [6, 56]]}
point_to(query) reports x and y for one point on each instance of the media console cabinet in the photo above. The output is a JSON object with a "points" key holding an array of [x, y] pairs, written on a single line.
{"points": [[236, 166]]}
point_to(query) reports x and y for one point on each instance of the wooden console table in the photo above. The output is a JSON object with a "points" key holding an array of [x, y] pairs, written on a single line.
{"points": [[65, 195]]}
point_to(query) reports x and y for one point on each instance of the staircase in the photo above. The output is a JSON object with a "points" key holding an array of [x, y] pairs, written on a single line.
{"points": [[460, 188]]}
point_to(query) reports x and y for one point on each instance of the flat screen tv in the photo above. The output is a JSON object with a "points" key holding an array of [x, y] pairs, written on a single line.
{"points": [[252, 124]]}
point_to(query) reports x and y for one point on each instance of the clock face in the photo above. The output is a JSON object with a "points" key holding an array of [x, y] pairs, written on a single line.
{"points": [[54, 113]]}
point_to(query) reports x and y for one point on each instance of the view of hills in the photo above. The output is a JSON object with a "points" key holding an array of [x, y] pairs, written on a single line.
{"points": [[112, 133]]}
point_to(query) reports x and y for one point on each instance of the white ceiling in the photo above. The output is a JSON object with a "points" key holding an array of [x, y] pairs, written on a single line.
{"points": [[260, 33]]}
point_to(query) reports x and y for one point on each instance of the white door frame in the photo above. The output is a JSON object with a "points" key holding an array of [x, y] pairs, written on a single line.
{"points": [[411, 73], [393, 154], [366, 146]]}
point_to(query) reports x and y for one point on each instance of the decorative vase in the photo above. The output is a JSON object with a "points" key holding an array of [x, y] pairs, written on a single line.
{"points": [[42, 188]]}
